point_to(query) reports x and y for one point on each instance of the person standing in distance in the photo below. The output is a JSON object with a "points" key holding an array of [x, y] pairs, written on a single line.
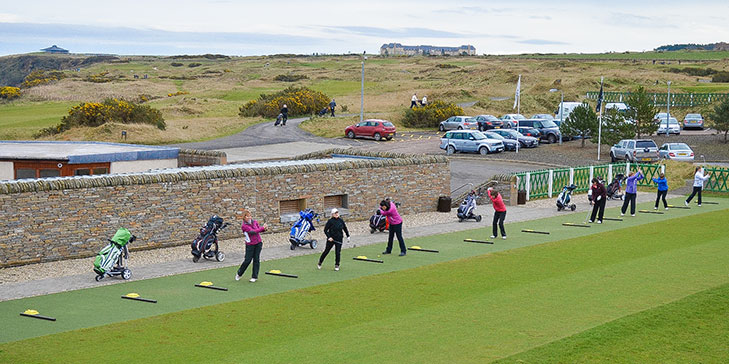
{"points": [[599, 195], [389, 210], [699, 179], [285, 113], [332, 105], [252, 233], [662, 190], [425, 101], [414, 101], [631, 191], [333, 230], [499, 212]]}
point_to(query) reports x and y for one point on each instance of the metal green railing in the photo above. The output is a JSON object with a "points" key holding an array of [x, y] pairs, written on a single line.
{"points": [[719, 180], [659, 99]]}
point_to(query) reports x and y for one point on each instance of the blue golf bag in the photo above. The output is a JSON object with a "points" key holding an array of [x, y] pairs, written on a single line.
{"points": [[299, 235]]}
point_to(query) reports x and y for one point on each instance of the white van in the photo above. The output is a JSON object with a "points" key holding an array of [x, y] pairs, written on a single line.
{"points": [[567, 108]]}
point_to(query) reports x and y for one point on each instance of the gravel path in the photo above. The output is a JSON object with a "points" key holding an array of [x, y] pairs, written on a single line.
{"points": [[52, 277]]}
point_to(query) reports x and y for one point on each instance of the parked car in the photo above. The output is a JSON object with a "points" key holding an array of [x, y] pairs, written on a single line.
{"points": [[458, 122], [548, 130], [469, 141], [508, 143], [693, 121], [545, 117], [673, 126], [509, 120], [634, 150], [486, 122], [661, 116], [524, 141], [371, 128], [529, 131], [676, 151]]}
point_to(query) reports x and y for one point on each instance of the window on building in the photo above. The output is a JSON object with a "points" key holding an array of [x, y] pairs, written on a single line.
{"points": [[45, 173], [335, 201], [101, 170], [291, 206], [82, 172], [22, 173]]}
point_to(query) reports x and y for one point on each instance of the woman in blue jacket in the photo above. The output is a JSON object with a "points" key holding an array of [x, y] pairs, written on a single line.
{"points": [[662, 190]]}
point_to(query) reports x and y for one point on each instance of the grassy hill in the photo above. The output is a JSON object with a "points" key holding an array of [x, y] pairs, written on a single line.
{"points": [[199, 97]]}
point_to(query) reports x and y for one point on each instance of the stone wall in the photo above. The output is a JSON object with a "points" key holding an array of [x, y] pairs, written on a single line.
{"points": [[193, 157], [53, 219]]}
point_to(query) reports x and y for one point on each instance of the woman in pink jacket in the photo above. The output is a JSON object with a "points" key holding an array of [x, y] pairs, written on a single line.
{"points": [[252, 232], [499, 212], [388, 209]]}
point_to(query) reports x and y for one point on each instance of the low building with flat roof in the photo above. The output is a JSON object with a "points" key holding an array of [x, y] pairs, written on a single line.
{"points": [[55, 49], [43, 159], [397, 49]]}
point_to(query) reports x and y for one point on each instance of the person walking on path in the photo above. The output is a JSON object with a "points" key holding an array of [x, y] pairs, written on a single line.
{"points": [[662, 190], [425, 101], [252, 233], [333, 230], [389, 210], [631, 191], [414, 101], [332, 105], [285, 113], [499, 212], [599, 196], [699, 179]]}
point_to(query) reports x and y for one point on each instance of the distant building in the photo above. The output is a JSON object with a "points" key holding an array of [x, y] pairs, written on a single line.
{"points": [[397, 49], [54, 49]]}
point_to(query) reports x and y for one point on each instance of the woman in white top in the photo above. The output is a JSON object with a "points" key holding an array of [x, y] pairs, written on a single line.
{"points": [[699, 179]]}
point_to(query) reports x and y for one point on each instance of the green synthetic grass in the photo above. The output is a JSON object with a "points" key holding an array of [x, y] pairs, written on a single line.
{"points": [[22, 120], [691, 330], [474, 309]]}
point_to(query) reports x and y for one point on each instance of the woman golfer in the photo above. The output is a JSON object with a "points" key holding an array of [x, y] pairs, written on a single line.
{"points": [[599, 195], [333, 230], [252, 232], [699, 179], [389, 210], [499, 212], [631, 191], [662, 183]]}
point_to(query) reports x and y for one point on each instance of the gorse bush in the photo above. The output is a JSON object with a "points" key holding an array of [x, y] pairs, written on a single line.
{"points": [[41, 77], [176, 64], [101, 77], [290, 78], [92, 114], [722, 76], [430, 115], [9, 92], [299, 100]]}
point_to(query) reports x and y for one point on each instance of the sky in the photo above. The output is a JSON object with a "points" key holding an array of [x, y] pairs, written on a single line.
{"points": [[246, 28]]}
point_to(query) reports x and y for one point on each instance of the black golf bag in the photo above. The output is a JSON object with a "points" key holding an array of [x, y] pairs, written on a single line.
{"points": [[565, 198], [279, 119], [614, 189], [206, 244], [468, 207], [378, 222]]}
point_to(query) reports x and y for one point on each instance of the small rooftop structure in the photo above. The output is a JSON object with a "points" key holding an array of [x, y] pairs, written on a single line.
{"points": [[40, 159], [54, 49]]}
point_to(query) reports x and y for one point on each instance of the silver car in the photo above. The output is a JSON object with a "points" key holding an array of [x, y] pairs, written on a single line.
{"points": [[673, 126], [458, 123], [473, 141], [693, 121], [677, 152]]}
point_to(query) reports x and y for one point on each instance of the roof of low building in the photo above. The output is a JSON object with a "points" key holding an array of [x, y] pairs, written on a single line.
{"points": [[83, 152], [54, 48]]}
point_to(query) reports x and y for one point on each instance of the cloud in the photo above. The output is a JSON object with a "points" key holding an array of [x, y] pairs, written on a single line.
{"points": [[541, 42], [540, 17], [638, 21], [395, 33], [9, 18], [471, 10]]}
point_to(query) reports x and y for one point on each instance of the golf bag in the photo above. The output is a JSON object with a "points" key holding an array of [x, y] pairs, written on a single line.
{"points": [[323, 111], [379, 222], [565, 197], [614, 189], [299, 235], [468, 207], [279, 119], [206, 244], [111, 259]]}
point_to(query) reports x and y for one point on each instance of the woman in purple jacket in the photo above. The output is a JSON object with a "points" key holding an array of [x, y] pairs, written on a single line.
{"points": [[631, 191], [388, 209], [252, 232]]}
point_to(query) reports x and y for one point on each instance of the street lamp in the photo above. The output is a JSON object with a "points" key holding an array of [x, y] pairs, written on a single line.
{"points": [[668, 106], [561, 112], [361, 105]]}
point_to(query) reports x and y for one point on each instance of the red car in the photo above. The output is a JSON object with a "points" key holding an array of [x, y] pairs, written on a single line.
{"points": [[371, 128]]}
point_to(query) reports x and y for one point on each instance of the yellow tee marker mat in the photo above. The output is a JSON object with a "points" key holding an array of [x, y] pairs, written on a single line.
{"points": [[276, 272], [417, 248], [209, 285], [365, 259], [34, 314], [135, 297]]}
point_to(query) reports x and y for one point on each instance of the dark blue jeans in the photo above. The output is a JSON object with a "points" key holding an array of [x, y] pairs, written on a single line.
{"points": [[253, 252], [396, 230]]}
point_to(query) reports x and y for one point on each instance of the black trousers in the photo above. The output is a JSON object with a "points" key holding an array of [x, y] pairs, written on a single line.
{"points": [[332, 110], [695, 191], [598, 209], [662, 195], [629, 199], [253, 253], [337, 252], [413, 104], [499, 217], [396, 230], [285, 117]]}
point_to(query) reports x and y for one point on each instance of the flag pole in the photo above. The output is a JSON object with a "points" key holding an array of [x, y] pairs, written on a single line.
{"points": [[517, 101], [599, 120]]}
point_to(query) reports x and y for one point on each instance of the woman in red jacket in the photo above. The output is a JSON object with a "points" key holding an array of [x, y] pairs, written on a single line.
{"points": [[499, 212], [252, 232]]}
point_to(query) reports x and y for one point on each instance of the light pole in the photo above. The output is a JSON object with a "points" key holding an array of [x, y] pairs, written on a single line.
{"points": [[361, 105], [561, 112], [668, 106]]}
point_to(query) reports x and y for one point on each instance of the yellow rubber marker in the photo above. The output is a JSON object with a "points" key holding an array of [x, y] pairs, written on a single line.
{"points": [[274, 271], [132, 295], [415, 247], [361, 257], [206, 283], [30, 312]]}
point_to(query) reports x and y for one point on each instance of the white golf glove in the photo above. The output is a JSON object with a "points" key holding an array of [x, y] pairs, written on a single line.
{"points": [[599, 197]]}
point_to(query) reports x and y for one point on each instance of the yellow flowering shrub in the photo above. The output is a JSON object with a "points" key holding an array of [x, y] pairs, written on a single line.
{"points": [[430, 115], [9, 92], [299, 100], [41, 77], [94, 114], [177, 93]]}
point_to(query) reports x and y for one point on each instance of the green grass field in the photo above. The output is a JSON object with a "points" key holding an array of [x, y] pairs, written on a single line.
{"points": [[22, 120], [649, 289]]}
